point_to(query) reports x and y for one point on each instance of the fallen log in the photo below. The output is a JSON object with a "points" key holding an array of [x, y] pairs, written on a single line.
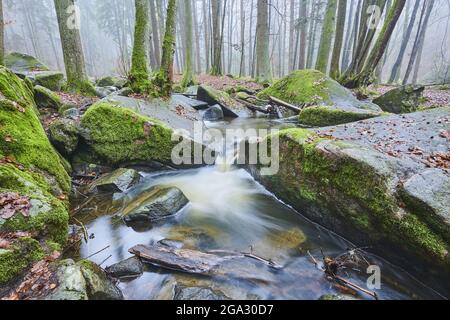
{"points": [[284, 104], [253, 107]]}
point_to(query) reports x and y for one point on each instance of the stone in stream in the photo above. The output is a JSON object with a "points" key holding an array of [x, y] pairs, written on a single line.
{"points": [[231, 108], [63, 134], [337, 179], [330, 102], [118, 181], [404, 99], [129, 268], [83, 281], [214, 113], [197, 293], [46, 98], [196, 104], [155, 204]]}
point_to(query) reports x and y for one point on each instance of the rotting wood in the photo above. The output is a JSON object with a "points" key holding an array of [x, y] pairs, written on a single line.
{"points": [[284, 104]]}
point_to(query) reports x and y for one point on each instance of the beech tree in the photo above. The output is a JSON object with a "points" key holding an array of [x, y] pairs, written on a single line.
{"points": [[188, 72], [326, 40], [340, 26], [2, 35], [263, 66]]}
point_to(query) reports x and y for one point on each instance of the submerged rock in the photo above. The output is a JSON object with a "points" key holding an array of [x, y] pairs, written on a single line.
{"points": [[337, 297], [63, 134], [214, 113], [287, 239], [231, 108], [353, 190], [118, 181], [83, 281], [46, 98], [155, 204], [197, 293], [331, 103], [129, 268], [405, 99]]}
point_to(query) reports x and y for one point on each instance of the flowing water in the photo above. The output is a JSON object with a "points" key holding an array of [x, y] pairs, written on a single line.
{"points": [[229, 211]]}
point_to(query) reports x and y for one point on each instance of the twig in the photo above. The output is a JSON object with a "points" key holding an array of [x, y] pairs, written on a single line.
{"points": [[313, 259], [105, 260], [85, 232], [350, 284], [100, 251]]}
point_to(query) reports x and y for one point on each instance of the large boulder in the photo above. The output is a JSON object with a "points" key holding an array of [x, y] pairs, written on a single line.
{"points": [[118, 181], [354, 190], [33, 179], [155, 204], [231, 108], [329, 102], [51, 80], [20, 62], [63, 134], [404, 99], [83, 281], [46, 99]]}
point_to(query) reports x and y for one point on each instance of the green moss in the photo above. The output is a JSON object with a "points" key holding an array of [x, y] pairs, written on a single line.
{"points": [[50, 80], [23, 62], [106, 82], [21, 133], [17, 258], [119, 135], [48, 216], [326, 116], [80, 86], [46, 98]]}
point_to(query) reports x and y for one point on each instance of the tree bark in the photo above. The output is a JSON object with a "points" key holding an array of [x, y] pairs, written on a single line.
{"points": [[340, 26], [77, 79], [326, 40], [155, 33], [187, 76], [263, 66], [303, 34], [216, 8], [242, 64], [2, 35], [139, 76]]}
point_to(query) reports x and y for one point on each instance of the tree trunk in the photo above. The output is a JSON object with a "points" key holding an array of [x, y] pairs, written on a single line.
{"points": [[323, 56], [263, 66], [340, 26], [77, 79], [216, 8], [206, 26], [164, 79], [2, 35], [366, 76], [292, 29], [139, 76], [348, 40], [312, 34], [197, 37], [155, 33], [187, 76], [242, 65], [303, 34]]}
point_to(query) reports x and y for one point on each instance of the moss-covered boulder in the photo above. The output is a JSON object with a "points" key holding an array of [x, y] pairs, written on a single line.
{"points": [[20, 62], [18, 256], [404, 99], [31, 169], [109, 81], [231, 108], [313, 88], [354, 190], [64, 135], [51, 80], [46, 99], [118, 135]]}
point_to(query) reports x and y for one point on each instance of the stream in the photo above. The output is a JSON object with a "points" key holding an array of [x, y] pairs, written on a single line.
{"points": [[230, 211]]}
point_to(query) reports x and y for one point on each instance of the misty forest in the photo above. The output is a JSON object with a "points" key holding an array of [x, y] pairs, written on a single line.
{"points": [[224, 149]]}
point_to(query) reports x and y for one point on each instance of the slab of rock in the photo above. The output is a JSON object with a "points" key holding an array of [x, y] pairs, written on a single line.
{"points": [[103, 92], [20, 62], [63, 134], [197, 293], [129, 268], [214, 113], [118, 181], [231, 108], [155, 204], [46, 98], [332, 115], [404, 99], [51, 80], [183, 100]]}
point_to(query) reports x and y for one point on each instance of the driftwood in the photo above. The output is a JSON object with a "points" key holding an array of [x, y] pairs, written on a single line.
{"points": [[253, 107], [284, 104]]}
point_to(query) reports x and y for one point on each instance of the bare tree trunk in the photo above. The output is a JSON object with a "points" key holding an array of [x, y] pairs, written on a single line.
{"points": [[263, 66], [242, 65], [303, 34], [216, 8], [250, 42], [329, 23], [187, 77], [197, 37], [292, 28], [77, 79], [206, 26], [312, 33], [348, 40], [2, 35], [340, 26], [155, 33]]}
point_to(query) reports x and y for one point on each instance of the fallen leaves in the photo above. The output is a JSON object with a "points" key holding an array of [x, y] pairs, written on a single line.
{"points": [[12, 203], [445, 134], [438, 160]]}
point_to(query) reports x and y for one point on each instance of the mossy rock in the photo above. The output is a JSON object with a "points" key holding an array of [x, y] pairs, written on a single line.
{"points": [[50, 80], [46, 99], [118, 135], [18, 257], [231, 108], [105, 82], [64, 136], [312, 87], [20, 62], [22, 136], [327, 115], [353, 190], [405, 99]]}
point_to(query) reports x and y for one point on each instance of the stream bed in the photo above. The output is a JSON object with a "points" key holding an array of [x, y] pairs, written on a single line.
{"points": [[230, 212]]}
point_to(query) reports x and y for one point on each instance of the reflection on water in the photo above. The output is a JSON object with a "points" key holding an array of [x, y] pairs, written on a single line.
{"points": [[229, 211]]}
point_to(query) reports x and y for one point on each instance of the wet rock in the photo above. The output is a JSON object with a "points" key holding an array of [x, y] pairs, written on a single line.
{"points": [[405, 99], [192, 90], [103, 92], [63, 135], [48, 79], [197, 293], [83, 281], [129, 268], [336, 297], [427, 194], [124, 92], [118, 181], [20, 62], [231, 108], [171, 243], [72, 113], [214, 113], [330, 115], [46, 98], [287, 239], [196, 104], [105, 82], [155, 204], [197, 237]]}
